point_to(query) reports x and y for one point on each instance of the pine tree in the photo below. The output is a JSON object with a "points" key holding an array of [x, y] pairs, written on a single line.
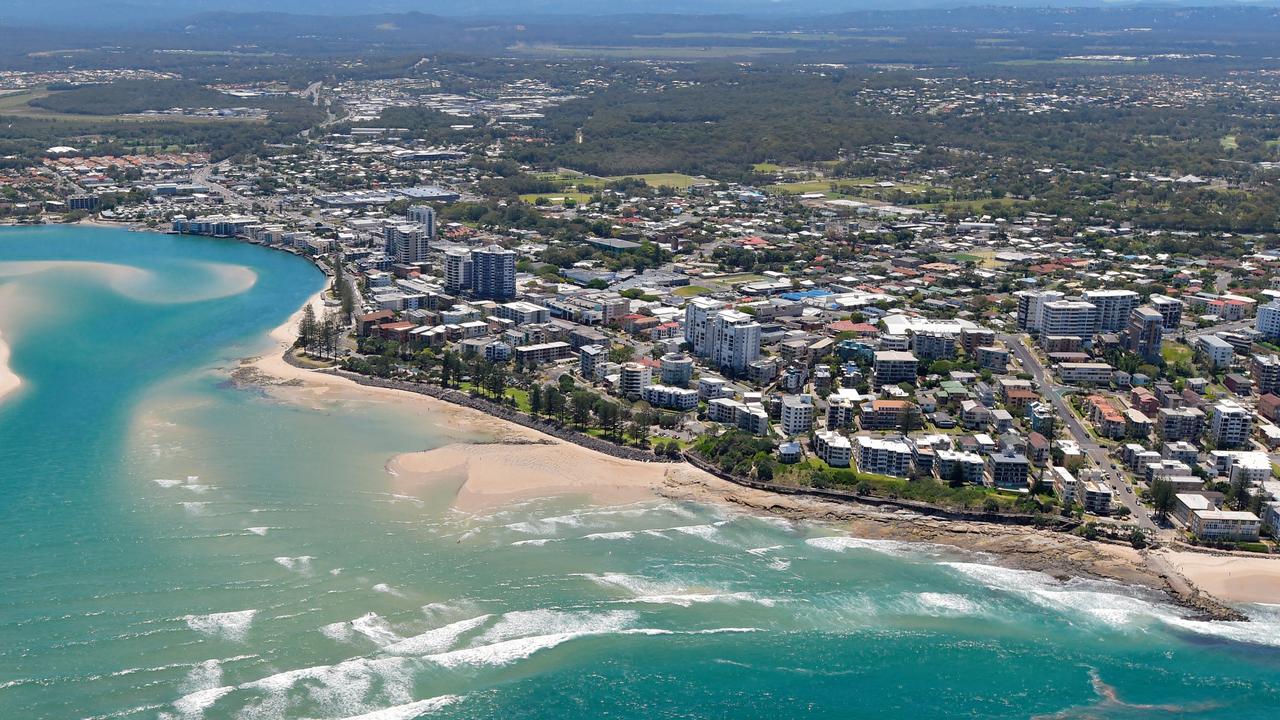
{"points": [[307, 327]]}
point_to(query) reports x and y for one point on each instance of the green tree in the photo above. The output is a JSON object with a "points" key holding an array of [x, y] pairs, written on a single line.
{"points": [[581, 404], [535, 399], [307, 328], [1162, 497]]}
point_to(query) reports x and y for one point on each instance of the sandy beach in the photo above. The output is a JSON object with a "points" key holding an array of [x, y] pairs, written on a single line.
{"points": [[9, 380], [488, 476], [1232, 579]]}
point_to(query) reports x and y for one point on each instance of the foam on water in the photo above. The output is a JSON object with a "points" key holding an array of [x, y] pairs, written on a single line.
{"points": [[501, 653], [409, 711], [437, 640], [933, 603], [374, 627], [194, 508], [192, 705], [647, 591], [166, 483], [841, 543], [262, 530], [1114, 605], [301, 563], [228, 625], [351, 687], [521, 623]]}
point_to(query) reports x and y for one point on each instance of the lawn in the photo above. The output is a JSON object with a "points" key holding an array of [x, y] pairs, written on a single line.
{"points": [[766, 167], [1176, 352], [556, 198], [690, 291], [1228, 142]]}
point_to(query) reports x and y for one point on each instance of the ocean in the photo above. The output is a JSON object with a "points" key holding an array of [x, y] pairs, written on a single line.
{"points": [[177, 545]]}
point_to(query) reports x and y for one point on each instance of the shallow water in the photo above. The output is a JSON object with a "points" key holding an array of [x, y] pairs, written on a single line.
{"points": [[176, 546]]}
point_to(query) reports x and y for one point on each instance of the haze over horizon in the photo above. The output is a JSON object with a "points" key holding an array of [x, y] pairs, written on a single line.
{"points": [[141, 13]]}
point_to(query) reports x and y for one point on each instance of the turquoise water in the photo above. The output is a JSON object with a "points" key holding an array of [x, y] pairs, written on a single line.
{"points": [[177, 546]]}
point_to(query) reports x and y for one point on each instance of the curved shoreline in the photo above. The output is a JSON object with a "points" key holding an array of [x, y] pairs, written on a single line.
{"points": [[9, 380]]}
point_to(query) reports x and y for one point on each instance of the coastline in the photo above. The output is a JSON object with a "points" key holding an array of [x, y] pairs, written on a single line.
{"points": [[533, 464], [10, 381]]}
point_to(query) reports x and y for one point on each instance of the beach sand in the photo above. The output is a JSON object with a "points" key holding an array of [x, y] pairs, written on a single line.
{"points": [[1232, 579], [489, 476], [9, 380]]}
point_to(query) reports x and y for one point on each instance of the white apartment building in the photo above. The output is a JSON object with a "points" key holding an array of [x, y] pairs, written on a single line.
{"points": [[1230, 425], [883, 457], [671, 398], [833, 448], [1031, 307], [733, 340], [523, 313], [406, 243], [1216, 352], [1268, 320], [697, 318], [797, 414], [1074, 318], [457, 270], [1114, 308], [632, 380]]}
